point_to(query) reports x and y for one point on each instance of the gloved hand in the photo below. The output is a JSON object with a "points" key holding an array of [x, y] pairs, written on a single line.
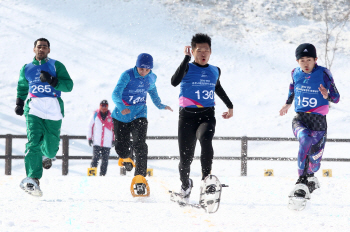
{"points": [[19, 108], [90, 142], [113, 143], [46, 77]]}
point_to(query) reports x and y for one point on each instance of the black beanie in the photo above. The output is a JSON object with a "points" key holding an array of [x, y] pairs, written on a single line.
{"points": [[104, 102], [305, 49]]}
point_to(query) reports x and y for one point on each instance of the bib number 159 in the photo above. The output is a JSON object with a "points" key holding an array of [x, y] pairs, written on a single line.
{"points": [[305, 102], [205, 94]]}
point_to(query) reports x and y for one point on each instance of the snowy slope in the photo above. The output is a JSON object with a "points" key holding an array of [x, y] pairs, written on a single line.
{"points": [[102, 39], [97, 41]]}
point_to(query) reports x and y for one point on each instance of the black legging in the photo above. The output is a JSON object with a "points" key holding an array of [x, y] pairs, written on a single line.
{"points": [[195, 123], [138, 129], [97, 153]]}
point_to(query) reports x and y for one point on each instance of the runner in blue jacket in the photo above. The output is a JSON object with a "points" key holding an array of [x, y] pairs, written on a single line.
{"points": [[130, 116]]}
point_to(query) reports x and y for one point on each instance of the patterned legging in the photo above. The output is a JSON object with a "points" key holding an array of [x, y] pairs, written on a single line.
{"points": [[311, 147]]}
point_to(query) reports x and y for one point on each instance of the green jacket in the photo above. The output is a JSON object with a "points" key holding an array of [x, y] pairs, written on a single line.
{"points": [[65, 83]]}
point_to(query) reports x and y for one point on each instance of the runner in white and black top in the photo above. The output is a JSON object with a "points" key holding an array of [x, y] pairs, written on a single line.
{"points": [[198, 82]]}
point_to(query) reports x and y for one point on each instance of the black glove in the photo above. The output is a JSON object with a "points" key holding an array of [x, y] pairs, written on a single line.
{"points": [[90, 142], [19, 108], [46, 77]]}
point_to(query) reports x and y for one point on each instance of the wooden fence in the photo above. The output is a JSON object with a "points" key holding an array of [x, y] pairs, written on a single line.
{"points": [[243, 158]]}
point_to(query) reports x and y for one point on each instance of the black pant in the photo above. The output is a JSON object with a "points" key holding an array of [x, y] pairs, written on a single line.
{"points": [[195, 124], [97, 153], [138, 129]]}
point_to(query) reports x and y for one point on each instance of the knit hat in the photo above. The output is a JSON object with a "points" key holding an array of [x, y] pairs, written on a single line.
{"points": [[144, 60], [104, 102], [305, 49]]}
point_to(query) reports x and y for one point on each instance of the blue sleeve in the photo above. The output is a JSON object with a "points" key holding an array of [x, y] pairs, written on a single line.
{"points": [[333, 95], [118, 91], [152, 91]]}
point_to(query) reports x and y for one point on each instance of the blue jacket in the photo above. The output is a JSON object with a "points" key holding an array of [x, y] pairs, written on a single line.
{"points": [[36, 87], [307, 97], [198, 86], [304, 89], [138, 110]]}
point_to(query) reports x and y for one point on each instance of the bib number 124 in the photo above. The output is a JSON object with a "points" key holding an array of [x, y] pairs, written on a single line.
{"points": [[312, 102]]}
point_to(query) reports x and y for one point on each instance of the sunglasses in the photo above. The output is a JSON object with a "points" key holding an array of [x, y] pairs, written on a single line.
{"points": [[104, 105]]}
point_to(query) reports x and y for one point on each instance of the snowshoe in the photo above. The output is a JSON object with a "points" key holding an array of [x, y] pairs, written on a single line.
{"points": [[179, 198], [210, 194], [139, 187], [298, 197], [31, 186], [127, 163]]}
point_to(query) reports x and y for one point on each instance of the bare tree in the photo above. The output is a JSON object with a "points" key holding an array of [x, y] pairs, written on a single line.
{"points": [[334, 26]]}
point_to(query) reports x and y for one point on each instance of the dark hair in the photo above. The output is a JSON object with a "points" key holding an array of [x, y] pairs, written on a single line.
{"points": [[200, 38], [42, 39]]}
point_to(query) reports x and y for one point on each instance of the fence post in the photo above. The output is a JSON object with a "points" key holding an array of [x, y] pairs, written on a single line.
{"points": [[8, 154], [244, 155], [65, 154]]}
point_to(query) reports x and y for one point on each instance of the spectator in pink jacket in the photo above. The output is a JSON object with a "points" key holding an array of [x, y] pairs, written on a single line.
{"points": [[101, 136]]}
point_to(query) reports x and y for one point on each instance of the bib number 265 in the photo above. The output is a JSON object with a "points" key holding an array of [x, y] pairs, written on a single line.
{"points": [[41, 89]]}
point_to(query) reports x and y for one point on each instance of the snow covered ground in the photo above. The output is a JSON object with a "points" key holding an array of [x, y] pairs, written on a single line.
{"points": [[253, 203], [97, 41]]}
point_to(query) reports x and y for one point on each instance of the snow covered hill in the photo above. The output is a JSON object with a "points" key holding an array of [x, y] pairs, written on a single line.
{"points": [[253, 43], [103, 38]]}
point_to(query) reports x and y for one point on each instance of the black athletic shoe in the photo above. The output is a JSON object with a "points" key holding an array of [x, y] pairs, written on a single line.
{"points": [[186, 190], [311, 184], [30, 186], [310, 175], [302, 180], [300, 192], [211, 189], [140, 188], [128, 166], [47, 163]]}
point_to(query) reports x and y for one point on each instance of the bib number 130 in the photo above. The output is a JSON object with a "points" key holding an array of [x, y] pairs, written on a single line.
{"points": [[305, 102], [205, 94]]}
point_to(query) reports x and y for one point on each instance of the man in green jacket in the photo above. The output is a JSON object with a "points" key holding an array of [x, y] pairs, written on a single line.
{"points": [[44, 79]]}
